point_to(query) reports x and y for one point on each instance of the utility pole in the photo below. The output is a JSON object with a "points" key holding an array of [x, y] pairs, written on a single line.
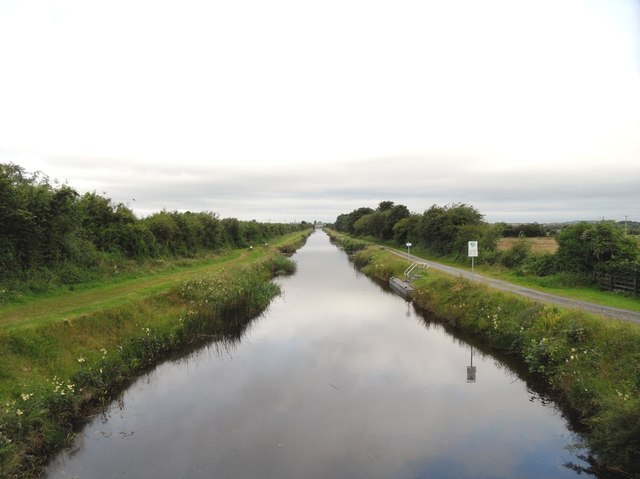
{"points": [[625, 224]]}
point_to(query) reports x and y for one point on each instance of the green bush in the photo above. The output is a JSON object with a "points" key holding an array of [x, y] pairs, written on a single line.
{"points": [[489, 257], [516, 256], [543, 264], [349, 245], [362, 258], [616, 433], [566, 280], [585, 247], [70, 273], [278, 265]]}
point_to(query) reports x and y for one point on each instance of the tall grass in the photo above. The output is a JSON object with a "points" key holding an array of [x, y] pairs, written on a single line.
{"points": [[348, 244], [292, 246]]}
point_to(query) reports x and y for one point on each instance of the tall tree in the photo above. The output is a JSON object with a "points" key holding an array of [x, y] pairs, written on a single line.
{"points": [[440, 225]]}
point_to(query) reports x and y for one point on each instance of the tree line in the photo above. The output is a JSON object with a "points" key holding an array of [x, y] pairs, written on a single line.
{"points": [[583, 248], [50, 230], [441, 230]]}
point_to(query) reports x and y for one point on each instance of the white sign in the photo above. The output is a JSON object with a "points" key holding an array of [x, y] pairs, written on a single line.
{"points": [[473, 249]]}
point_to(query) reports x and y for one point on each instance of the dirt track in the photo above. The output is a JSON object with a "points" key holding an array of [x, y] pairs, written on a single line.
{"points": [[617, 313]]}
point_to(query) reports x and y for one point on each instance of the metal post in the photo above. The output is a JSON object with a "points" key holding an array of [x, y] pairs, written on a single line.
{"points": [[473, 252]]}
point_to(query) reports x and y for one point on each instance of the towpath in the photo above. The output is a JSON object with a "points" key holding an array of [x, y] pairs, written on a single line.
{"points": [[61, 304], [69, 304], [533, 294]]}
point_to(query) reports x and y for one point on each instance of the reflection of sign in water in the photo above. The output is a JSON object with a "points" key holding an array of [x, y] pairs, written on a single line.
{"points": [[471, 370]]}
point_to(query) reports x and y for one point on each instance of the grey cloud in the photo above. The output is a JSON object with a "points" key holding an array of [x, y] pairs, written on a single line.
{"points": [[323, 191]]}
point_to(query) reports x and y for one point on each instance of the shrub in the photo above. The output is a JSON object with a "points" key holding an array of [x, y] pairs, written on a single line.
{"points": [[539, 265], [566, 280], [362, 258], [278, 265], [517, 254]]}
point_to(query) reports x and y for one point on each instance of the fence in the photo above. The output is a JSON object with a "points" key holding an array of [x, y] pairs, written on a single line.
{"points": [[613, 282]]}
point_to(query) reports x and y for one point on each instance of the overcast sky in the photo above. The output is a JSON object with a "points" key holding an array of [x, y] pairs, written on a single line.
{"points": [[289, 110]]}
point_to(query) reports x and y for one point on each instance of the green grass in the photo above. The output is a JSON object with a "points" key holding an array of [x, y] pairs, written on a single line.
{"points": [[65, 304], [587, 293], [590, 293]]}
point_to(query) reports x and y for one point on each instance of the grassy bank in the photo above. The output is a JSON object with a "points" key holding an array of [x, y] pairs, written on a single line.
{"points": [[56, 369], [592, 364], [567, 285]]}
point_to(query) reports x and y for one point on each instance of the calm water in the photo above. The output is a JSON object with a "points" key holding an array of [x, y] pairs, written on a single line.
{"points": [[339, 379]]}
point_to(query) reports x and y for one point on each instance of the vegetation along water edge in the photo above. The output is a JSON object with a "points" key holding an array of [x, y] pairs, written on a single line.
{"points": [[591, 363], [56, 372]]}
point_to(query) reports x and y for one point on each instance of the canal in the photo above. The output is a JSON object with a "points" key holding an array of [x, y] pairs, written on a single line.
{"points": [[338, 379]]}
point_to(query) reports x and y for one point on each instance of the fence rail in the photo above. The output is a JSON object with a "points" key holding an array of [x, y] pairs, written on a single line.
{"points": [[612, 282]]}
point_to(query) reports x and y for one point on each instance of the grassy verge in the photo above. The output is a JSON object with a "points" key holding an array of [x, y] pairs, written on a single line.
{"points": [[55, 370], [145, 282], [553, 284], [592, 294], [592, 364]]}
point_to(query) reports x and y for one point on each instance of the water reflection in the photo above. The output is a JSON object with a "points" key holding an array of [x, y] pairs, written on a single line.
{"points": [[471, 369], [338, 379]]}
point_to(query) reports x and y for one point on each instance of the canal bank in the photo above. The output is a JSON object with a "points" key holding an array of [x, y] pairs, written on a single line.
{"points": [[337, 379], [56, 373], [592, 364]]}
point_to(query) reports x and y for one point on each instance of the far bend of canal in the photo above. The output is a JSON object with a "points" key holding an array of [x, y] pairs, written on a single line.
{"points": [[338, 379]]}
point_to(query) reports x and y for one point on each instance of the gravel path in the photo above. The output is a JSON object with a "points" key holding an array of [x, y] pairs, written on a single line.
{"points": [[533, 294]]}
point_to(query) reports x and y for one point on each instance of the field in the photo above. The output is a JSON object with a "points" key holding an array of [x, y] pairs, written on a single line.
{"points": [[539, 245]]}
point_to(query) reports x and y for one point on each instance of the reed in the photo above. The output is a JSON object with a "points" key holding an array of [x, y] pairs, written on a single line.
{"points": [[348, 244]]}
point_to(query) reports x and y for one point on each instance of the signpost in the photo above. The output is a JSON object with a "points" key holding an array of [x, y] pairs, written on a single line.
{"points": [[473, 253]]}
